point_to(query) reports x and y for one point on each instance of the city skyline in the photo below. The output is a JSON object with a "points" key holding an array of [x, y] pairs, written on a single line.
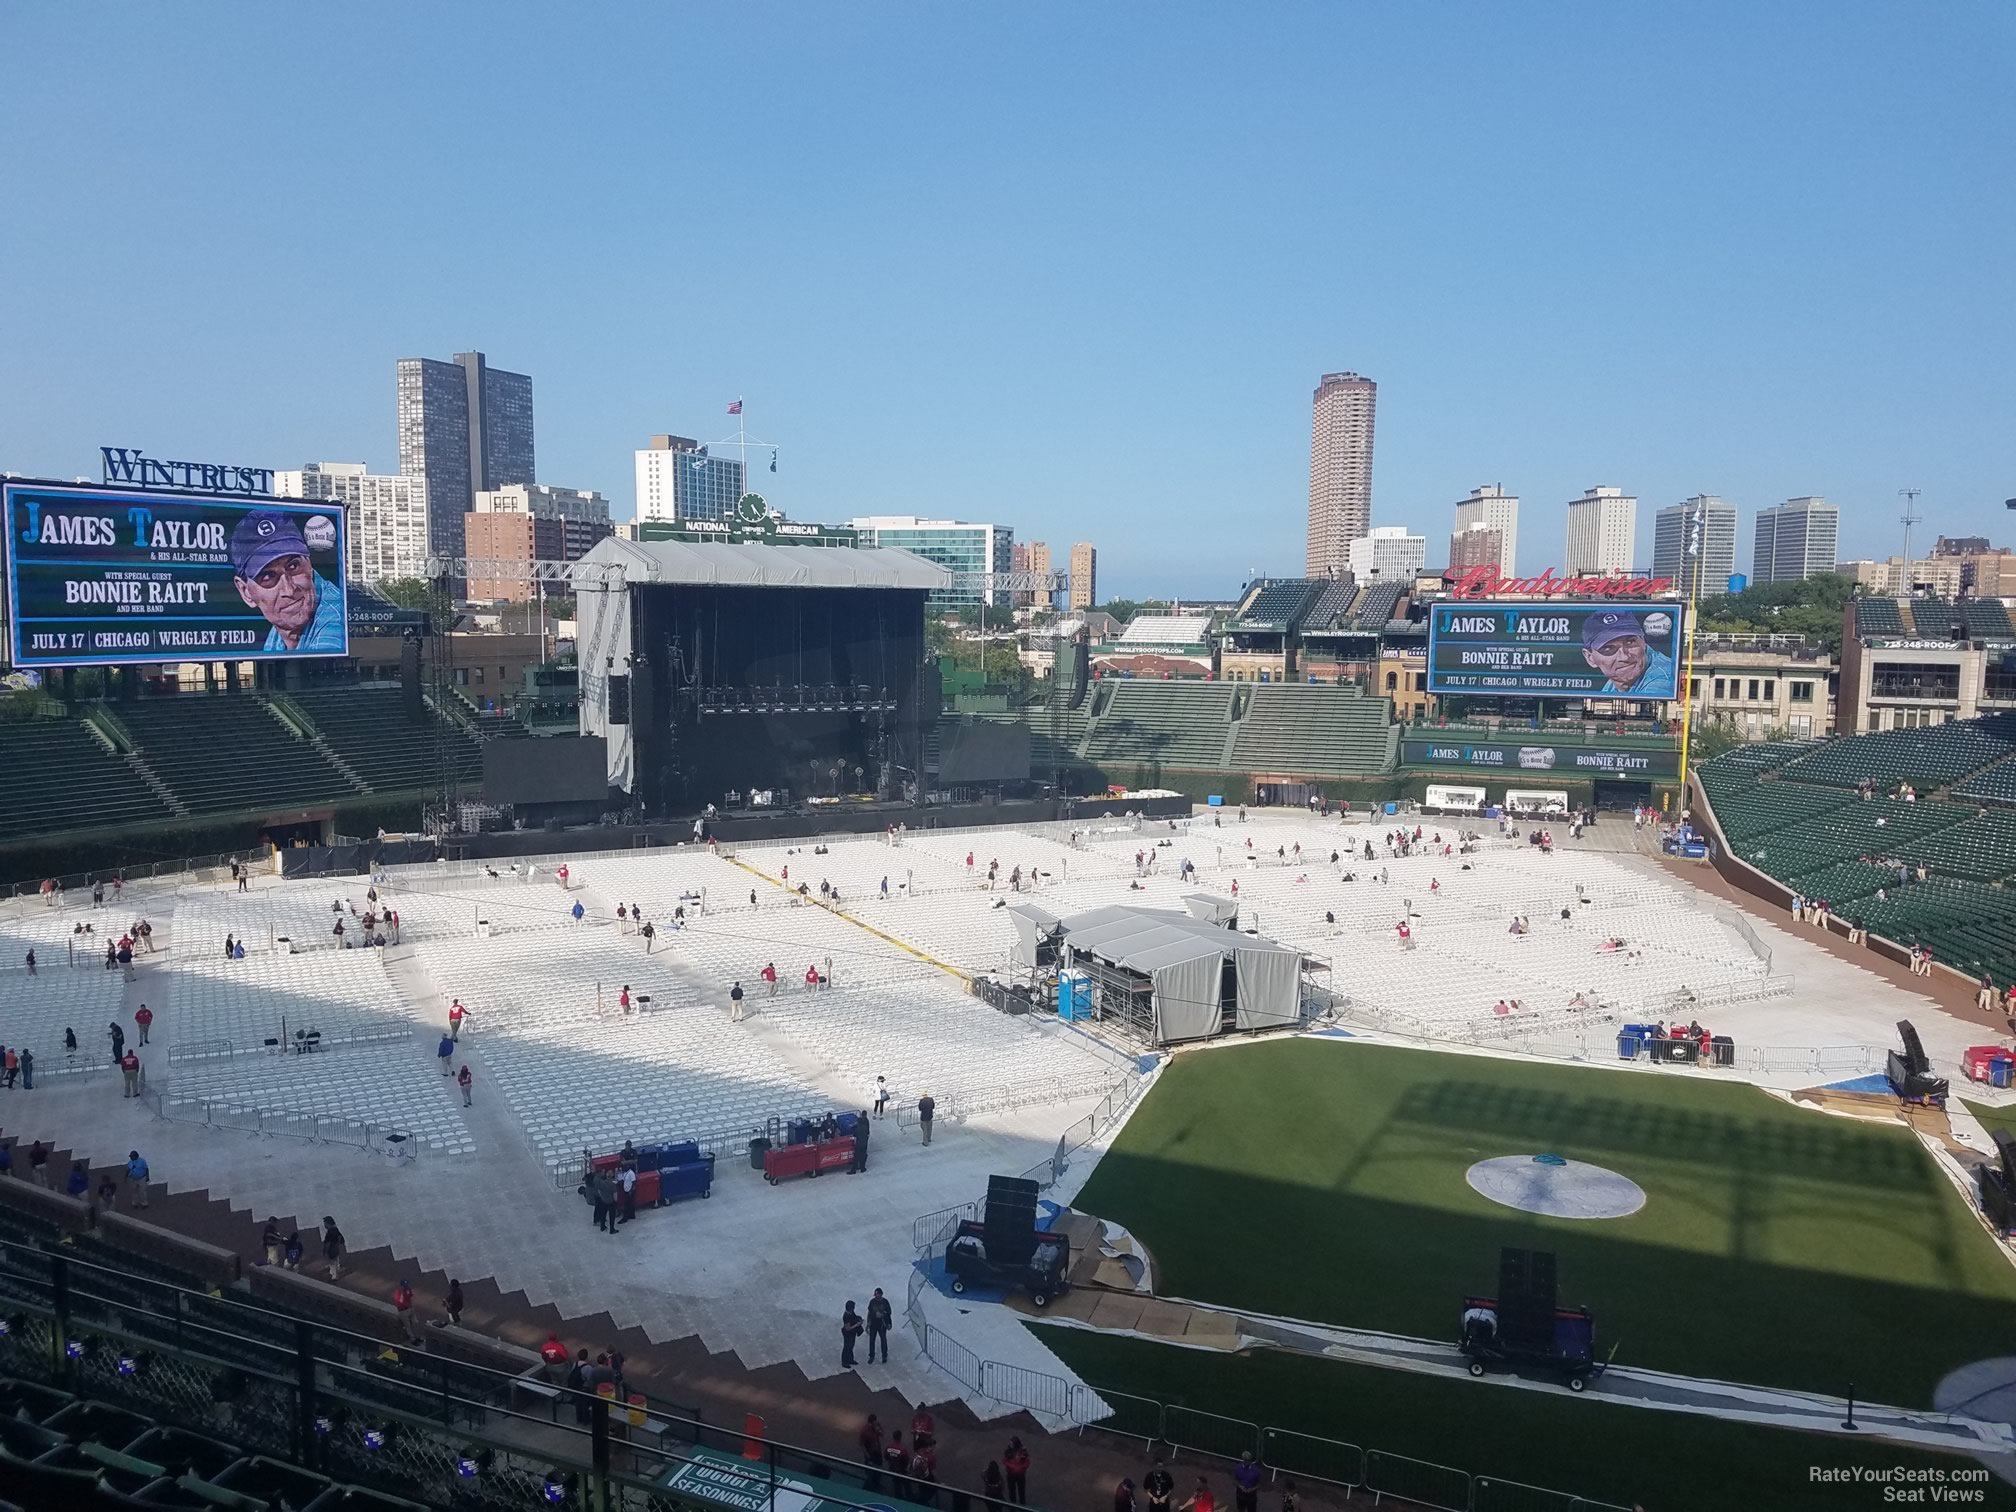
{"points": [[923, 357]]}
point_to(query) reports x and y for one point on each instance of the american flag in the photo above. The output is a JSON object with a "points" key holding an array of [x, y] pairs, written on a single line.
{"points": [[735, 408]]}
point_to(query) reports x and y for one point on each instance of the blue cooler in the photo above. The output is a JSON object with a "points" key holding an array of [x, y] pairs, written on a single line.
{"points": [[691, 1178], [1629, 1042], [2002, 1071], [846, 1121], [678, 1154]]}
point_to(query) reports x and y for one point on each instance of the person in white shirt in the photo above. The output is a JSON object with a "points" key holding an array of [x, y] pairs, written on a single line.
{"points": [[626, 1179], [881, 1090]]}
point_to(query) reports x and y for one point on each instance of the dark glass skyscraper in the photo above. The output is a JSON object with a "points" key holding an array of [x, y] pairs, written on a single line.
{"points": [[465, 427]]}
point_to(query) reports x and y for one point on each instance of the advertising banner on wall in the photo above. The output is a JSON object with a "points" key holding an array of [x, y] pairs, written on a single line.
{"points": [[1562, 760], [101, 576], [1555, 650]]}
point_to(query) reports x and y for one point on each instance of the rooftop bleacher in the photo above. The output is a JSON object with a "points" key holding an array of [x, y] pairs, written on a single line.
{"points": [[1987, 619], [1281, 604], [1333, 610], [1878, 616], [1165, 630], [61, 777], [220, 754], [1378, 606]]}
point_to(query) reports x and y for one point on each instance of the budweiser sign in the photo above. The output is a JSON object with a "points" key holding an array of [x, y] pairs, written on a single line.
{"points": [[1484, 582]]}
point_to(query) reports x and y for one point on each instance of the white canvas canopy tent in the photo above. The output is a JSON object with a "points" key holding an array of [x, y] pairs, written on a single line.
{"points": [[1177, 977]]}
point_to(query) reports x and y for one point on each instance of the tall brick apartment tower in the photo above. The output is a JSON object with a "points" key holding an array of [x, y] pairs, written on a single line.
{"points": [[1340, 470]]}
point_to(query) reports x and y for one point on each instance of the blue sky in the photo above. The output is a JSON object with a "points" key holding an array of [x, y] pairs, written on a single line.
{"points": [[1071, 267]]}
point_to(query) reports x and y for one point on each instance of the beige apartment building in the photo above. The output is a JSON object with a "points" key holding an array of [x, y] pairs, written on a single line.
{"points": [[1340, 470], [1084, 575], [1764, 684]]}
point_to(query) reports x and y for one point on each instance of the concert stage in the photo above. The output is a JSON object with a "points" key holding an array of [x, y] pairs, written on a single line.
{"points": [[714, 668]]}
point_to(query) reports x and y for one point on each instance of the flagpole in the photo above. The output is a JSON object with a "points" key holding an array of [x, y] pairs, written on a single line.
{"points": [[1687, 673]]}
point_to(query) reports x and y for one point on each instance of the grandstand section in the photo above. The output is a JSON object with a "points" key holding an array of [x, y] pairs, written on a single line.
{"points": [[60, 775], [230, 754], [1926, 758], [1314, 730], [369, 732], [1178, 724]]}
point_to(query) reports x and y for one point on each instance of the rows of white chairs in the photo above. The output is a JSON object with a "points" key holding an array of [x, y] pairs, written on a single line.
{"points": [[578, 1073], [34, 1012], [391, 1089], [270, 999], [933, 1036]]}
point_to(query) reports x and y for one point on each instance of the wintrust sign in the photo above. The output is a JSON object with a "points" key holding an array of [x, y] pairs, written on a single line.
{"points": [[1484, 582], [126, 464]]}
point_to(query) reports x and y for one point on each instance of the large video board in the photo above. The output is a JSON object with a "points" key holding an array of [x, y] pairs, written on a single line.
{"points": [[1541, 649], [100, 576]]}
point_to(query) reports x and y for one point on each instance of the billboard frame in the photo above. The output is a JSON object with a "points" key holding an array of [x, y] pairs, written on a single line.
{"points": [[240, 503], [1438, 610]]}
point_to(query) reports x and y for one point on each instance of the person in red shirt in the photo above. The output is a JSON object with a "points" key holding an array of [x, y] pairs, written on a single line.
{"points": [[129, 1066], [871, 1453], [402, 1299], [144, 1017], [554, 1354], [623, 998], [465, 1081], [456, 1013], [923, 1431], [1201, 1500], [1015, 1471], [769, 974], [811, 978]]}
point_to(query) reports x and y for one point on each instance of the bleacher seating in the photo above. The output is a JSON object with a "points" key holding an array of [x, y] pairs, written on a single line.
{"points": [[1926, 758], [1747, 809], [1377, 606], [368, 728], [1877, 827], [1179, 724], [1997, 784], [1333, 610], [1318, 730], [1987, 619], [1878, 617], [61, 777], [230, 752], [1281, 604]]}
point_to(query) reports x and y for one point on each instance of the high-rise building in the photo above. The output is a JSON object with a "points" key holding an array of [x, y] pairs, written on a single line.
{"points": [[1602, 532], [1084, 576], [1340, 470], [677, 479], [1672, 527], [956, 545], [1387, 554], [385, 516], [1478, 545], [1492, 506], [1795, 540], [464, 426]]}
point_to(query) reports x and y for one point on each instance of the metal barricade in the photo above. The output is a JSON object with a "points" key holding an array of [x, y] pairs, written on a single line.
{"points": [[1117, 1412], [1303, 1456], [933, 1229], [1209, 1433], [1419, 1481], [1022, 1387]]}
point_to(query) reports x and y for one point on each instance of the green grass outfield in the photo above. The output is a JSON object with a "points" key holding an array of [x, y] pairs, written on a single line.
{"points": [[1777, 1245], [1579, 1445]]}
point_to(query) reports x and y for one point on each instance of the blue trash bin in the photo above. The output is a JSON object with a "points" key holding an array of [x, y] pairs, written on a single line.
{"points": [[2002, 1071], [1629, 1043]]}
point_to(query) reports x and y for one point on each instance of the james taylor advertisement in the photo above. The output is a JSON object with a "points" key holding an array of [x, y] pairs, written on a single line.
{"points": [[1542, 650], [112, 575]]}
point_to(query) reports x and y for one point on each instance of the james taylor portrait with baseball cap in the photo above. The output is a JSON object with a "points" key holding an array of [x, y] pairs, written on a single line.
{"points": [[273, 573], [1616, 644]]}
